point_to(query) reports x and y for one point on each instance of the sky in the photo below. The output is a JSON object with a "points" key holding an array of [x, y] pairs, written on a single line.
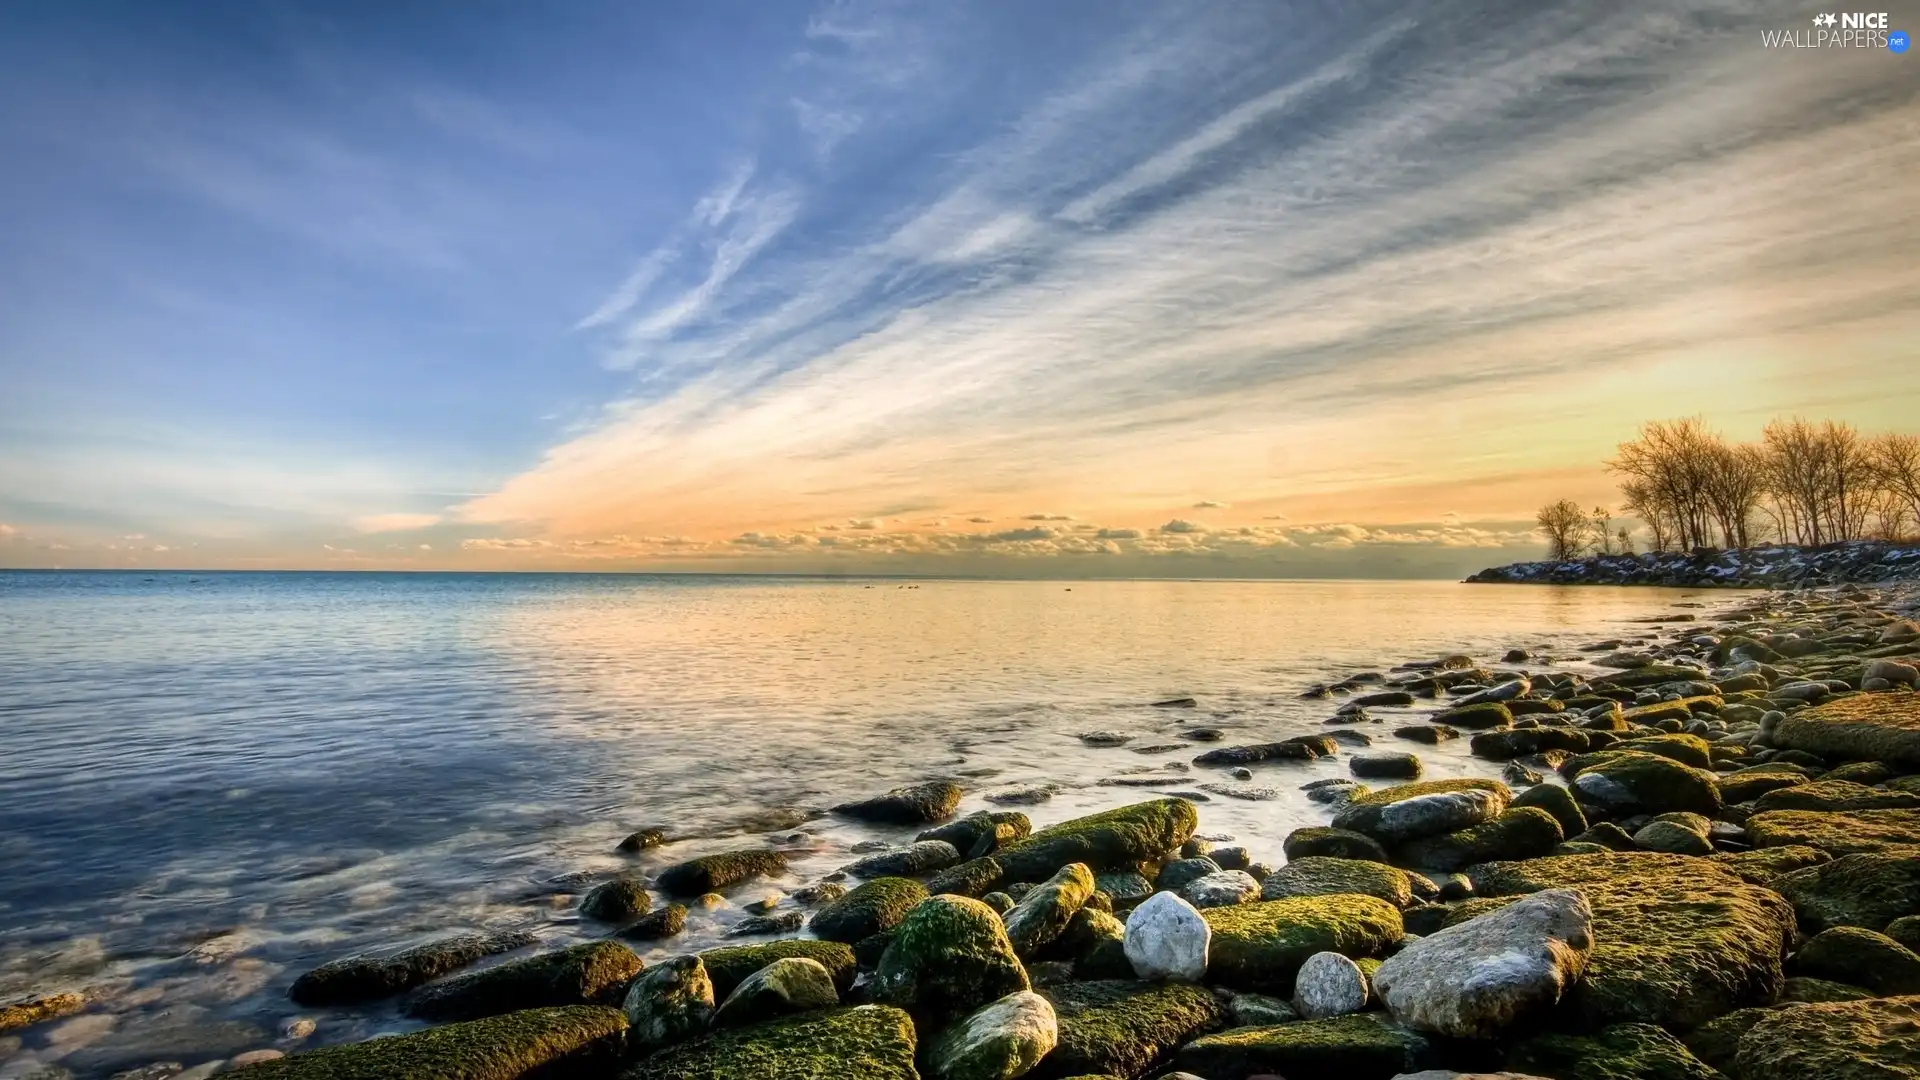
{"points": [[1082, 288]]}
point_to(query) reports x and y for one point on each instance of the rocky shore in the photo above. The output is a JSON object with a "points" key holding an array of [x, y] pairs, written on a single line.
{"points": [[1773, 567], [1702, 860]]}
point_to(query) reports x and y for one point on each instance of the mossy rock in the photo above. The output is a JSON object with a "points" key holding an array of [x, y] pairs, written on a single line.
{"points": [[354, 979], [1519, 833], [577, 1040], [656, 925], [1751, 783], [1620, 1052], [868, 1041], [1857, 727], [1807, 990], [878, 905], [1358, 1046], [728, 967], [1332, 843], [1868, 890], [914, 804], [593, 973], [1043, 914], [1761, 865], [1905, 930], [1832, 795], [1485, 716], [968, 831], [1400, 792], [620, 900], [1677, 940], [1651, 675], [711, 873], [39, 1010], [975, 878], [1840, 832], [1874, 1039], [1472, 908], [1557, 801], [1519, 742], [1681, 709], [1431, 734], [949, 957], [1115, 839], [1089, 931], [1861, 772], [1685, 749], [1318, 875], [1717, 1041], [1634, 782], [1260, 946], [1124, 1028], [1125, 889], [1850, 954], [1416, 814]]}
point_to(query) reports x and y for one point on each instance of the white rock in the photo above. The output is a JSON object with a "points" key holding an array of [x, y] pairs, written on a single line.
{"points": [[1223, 889], [1505, 691], [1477, 978], [999, 1041], [1329, 984], [1167, 939]]}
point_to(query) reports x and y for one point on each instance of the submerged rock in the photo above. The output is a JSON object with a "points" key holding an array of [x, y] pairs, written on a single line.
{"points": [[355, 979], [53, 1006], [1478, 978], [578, 1040], [711, 873], [594, 973], [912, 805]]}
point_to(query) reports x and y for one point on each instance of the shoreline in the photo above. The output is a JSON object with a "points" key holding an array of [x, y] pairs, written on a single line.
{"points": [[1077, 941], [1773, 566]]}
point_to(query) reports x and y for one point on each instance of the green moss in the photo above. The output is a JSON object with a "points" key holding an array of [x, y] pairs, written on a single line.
{"points": [[594, 973], [912, 805], [657, 924], [1850, 954], [1332, 843], [968, 831], [869, 1041], [1110, 840], [1831, 795], [1857, 727], [1761, 865], [1749, 784], [1906, 931], [621, 900], [1651, 675], [1519, 833], [1841, 833], [1634, 782], [1718, 1040], [40, 1010], [1621, 1052], [1557, 801], [1317, 875], [367, 978], [1807, 990], [711, 873], [1261, 946], [1482, 717], [1124, 1028], [1360, 1046], [1507, 745], [878, 905], [1854, 1040], [1088, 931], [729, 966], [975, 877], [949, 957], [1860, 772], [1677, 939], [507, 1047], [1396, 793], [1867, 890], [1044, 913], [1685, 749], [1460, 911], [1682, 709]]}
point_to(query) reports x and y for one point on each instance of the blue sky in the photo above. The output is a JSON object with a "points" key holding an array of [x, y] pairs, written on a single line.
{"points": [[914, 286]]}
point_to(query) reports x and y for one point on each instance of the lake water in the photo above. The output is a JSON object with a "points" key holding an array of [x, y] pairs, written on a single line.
{"points": [[211, 782]]}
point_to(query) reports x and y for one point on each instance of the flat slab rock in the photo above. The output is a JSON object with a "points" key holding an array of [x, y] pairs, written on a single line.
{"points": [[1873, 1039], [1859, 727]]}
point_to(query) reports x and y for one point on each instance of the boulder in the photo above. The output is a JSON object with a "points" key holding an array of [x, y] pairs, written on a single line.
{"points": [[1480, 977], [920, 857], [782, 988], [1867, 890], [1630, 782], [621, 900], [657, 924], [878, 905], [1831, 795], [1483, 717], [1121, 1028], [727, 967], [1421, 809], [1671, 838], [1360, 1046], [1386, 766], [985, 830], [669, 1003], [1557, 801], [998, 1042], [1860, 957], [1221, 889], [1519, 742], [1043, 913], [1329, 985], [872, 1042], [1750, 783], [1261, 946], [1906, 931], [593, 973], [1839, 833], [1761, 865], [355, 979], [1167, 939], [1717, 1041], [949, 957], [1431, 734], [1807, 990], [1111, 840], [1178, 872], [577, 1040], [1858, 727], [1874, 1039], [975, 878], [912, 805], [1636, 1051], [1089, 931], [711, 873], [1519, 833], [1316, 875], [1123, 888], [1333, 843]]}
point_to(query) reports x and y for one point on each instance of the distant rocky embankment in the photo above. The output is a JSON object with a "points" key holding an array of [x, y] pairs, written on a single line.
{"points": [[1772, 567]]}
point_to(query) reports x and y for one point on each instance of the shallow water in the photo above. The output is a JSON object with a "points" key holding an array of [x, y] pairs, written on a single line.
{"points": [[210, 782]]}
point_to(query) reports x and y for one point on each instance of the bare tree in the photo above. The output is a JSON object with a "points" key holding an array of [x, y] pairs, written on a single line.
{"points": [[1796, 479], [1670, 468], [1735, 483], [1566, 527], [1896, 460], [1638, 499]]}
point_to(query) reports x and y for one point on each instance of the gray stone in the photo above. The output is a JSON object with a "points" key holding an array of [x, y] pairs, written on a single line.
{"points": [[1329, 984], [789, 985], [1476, 978], [669, 1002], [1001, 1041], [1167, 939]]}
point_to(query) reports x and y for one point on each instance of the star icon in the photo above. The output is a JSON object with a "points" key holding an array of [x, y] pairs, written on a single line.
{"points": [[1819, 20], [1830, 19]]}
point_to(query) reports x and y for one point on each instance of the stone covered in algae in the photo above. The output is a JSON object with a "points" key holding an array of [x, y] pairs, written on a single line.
{"points": [[1857, 727], [592, 973], [1860, 957], [1520, 832], [1261, 946], [369, 977], [1317, 875], [868, 1041], [878, 905], [1840, 833], [575, 1041], [1621, 1052], [729, 966], [949, 957], [1833, 795], [711, 873], [1124, 1028], [1868, 890], [1872, 1039], [1634, 782], [1110, 840], [1761, 866], [1358, 1046]]}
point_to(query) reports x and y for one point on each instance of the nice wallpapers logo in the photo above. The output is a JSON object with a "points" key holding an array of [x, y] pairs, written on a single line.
{"points": [[1846, 30]]}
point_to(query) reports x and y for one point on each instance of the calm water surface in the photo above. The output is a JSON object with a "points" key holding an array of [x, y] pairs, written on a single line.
{"points": [[209, 782]]}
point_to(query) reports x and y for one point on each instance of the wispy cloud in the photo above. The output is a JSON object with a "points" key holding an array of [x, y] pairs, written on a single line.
{"points": [[381, 523]]}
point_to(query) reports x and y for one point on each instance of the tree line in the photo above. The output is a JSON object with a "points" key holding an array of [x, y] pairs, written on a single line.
{"points": [[1801, 483]]}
